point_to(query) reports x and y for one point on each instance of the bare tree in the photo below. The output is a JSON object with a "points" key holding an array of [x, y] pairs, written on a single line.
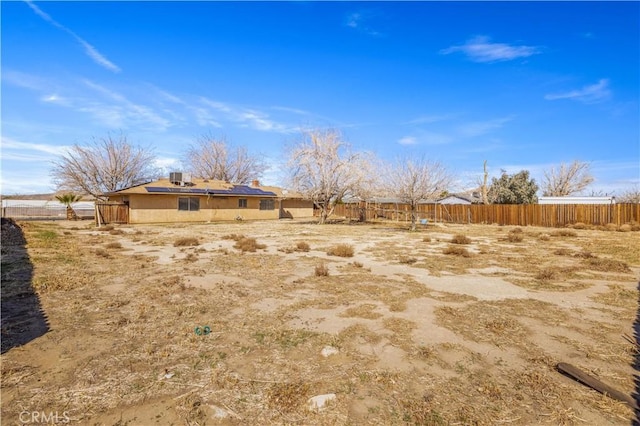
{"points": [[213, 158], [414, 180], [567, 179], [483, 184], [630, 195], [104, 165], [323, 168]]}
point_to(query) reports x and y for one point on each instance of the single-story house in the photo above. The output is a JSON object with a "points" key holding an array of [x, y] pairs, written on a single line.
{"points": [[204, 200], [576, 200], [471, 197]]}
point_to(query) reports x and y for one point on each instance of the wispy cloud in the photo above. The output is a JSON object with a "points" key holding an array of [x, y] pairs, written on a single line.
{"points": [[590, 94], [428, 119], [423, 137], [247, 117], [9, 143], [24, 80], [481, 49], [359, 21], [123, 109], [408, 140], [479, 128], [54, 98], [91, 51], [452, 133]]}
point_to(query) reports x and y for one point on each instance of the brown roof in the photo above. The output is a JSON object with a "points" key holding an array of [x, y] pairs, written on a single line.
{"points": [[207, 187]]}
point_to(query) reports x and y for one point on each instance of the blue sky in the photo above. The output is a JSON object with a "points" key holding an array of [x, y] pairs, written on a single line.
{"points": [[523, 85]]}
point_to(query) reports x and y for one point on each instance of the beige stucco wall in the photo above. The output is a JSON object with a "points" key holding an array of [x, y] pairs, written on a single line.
{"points": [[295, 209], [161, 208]]}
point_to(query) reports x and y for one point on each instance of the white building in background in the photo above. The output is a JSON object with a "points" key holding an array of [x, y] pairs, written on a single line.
{"points": [[49, 209], [576, 200]]}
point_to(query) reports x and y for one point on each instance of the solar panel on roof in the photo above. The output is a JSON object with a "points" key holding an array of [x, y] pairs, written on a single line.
{"points": [[236, 190], [157, 189]]}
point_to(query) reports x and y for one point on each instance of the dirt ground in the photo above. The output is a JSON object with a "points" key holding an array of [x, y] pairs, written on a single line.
{"points": [[245, 322]]}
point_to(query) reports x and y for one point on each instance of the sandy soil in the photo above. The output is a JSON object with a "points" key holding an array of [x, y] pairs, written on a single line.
{"points": [[400, 332]]}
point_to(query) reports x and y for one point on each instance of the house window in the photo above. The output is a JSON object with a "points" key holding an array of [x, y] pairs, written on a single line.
{"points": [[242, 203], [188, 204], [267, 204]]}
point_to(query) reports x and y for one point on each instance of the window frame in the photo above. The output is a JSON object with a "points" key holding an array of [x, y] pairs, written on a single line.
{"points": [[193, 204], [243, 203], [267, 204]]}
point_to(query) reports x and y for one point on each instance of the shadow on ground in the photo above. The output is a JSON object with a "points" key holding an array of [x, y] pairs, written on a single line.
{"points": [[636, 364], [22, 318]]}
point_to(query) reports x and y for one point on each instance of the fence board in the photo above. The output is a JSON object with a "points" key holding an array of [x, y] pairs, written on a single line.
{"points": [[111, 213], [546, 215]]}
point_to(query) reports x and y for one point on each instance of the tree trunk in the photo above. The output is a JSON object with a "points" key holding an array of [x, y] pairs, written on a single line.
{"points": [[71, 214], [323, 215], [413, 218], [485, 195]]}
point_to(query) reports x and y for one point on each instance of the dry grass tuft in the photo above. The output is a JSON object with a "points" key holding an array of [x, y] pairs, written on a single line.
{"points": [[457, 251], [585, 255], [174, 281], [607, 265], [544, 237], [186, 241], [564, 233], [116, 232], [357, 264], [342, 250], [102, 253], [563, 252], [516, 231], [248, 244], [515, 237], [618, 296], [426, 239], [302, 246], [420, 411], [424, 352], [611, 227], [579, 225], [322, 270], [114, 245], [234, 237], [460, 239], [191, 257], [407, 260], [106, 228], [287, 397], [625, 228], [61, 280], [547, 274], [366, 310]]}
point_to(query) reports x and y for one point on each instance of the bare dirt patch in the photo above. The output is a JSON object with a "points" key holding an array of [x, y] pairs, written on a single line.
{"points": [[230, 323]]}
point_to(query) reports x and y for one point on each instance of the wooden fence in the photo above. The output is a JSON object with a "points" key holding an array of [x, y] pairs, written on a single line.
{"points": [[547, 215], [111, 213]]}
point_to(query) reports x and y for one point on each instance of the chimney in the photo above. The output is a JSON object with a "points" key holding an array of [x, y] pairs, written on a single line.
{"points": [[255, 183]]}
